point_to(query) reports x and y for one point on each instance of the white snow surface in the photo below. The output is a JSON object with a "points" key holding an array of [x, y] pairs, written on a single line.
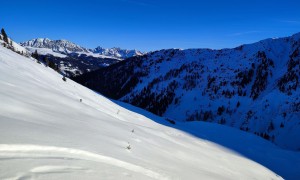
{"points": [[19, 48], [16, 47], [45, 51], [47, 133]]}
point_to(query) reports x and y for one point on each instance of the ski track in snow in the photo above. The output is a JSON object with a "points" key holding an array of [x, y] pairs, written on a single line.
{"points": [[16, 151], [47, 170]]}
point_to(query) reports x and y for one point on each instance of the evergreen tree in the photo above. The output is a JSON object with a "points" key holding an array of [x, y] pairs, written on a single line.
{"points": [[52, 65], [46, 61], [282, 125], [64, 78], [266, 136], [5, 38], [35, 55], [271, 126], [238, 104]]}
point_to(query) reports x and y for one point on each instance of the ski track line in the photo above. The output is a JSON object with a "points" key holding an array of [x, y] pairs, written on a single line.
{"points": [[23, 151]]}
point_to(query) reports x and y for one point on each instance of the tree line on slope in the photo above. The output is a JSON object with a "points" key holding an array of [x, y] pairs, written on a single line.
{"points": [[8, 43]]}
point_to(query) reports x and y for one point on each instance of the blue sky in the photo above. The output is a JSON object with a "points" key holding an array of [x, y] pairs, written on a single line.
{"points": [[151, 24]]}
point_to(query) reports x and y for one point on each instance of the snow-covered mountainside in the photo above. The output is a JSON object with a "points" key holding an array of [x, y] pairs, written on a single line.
{"points": [[72, 59], [253, 87], [55, 129], [14, 46]]}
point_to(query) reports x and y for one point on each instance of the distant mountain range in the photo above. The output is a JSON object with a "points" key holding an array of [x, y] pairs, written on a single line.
{"points": [[67, 47], [73, 59], [253, 87]]}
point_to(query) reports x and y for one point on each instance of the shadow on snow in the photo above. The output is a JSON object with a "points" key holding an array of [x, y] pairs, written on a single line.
{"points": [[283, 162]]}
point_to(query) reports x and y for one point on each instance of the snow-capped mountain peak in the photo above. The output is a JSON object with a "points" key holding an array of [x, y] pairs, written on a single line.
{"points": [[73, 59], [117, 52], [62, 46], [68, 47]]}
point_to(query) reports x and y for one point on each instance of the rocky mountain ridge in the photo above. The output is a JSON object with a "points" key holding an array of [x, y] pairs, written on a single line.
{"points": [[253, 87]]}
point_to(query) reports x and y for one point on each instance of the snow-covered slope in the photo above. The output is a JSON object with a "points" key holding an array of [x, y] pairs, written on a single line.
{"points": [[14, 46], [52, 129], [19, 48], [46, 51], [255, 87]]}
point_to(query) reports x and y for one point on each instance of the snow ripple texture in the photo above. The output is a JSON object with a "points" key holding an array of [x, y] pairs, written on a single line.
{"points": [[34, 151]]}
